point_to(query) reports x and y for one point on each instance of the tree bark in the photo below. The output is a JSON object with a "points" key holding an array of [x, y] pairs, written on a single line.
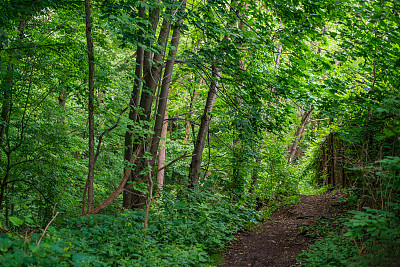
{"points": [[278, 56], [133, 105], [299, 134], [5, 117], [163, 97], [325, 162], [151, 73], [195, 165], [90, 105], [193, 98], [152, 76], [161, 154]]}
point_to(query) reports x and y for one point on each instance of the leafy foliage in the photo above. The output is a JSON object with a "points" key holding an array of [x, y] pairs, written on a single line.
{"points": [[183, 230], [371, 237]]}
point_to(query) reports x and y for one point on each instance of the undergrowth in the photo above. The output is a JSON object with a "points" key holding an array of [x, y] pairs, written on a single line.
{"points": [[366, 238], [184, 229]]}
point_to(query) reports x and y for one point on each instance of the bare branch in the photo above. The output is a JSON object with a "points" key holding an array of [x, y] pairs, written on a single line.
{"points": [[45, 229], [175, 160]]}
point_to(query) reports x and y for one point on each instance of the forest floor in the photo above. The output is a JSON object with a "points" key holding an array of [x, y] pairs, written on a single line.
{"points": [[278, 241]]}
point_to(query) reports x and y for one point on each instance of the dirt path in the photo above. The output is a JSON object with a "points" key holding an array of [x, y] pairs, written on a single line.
{"points": [[279, 241]]}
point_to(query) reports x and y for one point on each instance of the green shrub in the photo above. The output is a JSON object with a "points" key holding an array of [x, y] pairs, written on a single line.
{"points": [[183, 230], [370, 238]]}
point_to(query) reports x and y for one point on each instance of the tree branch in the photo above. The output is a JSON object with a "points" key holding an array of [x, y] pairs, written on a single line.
{"points": [[98, 151], [120, 188], [175, 160], [45, 229]]}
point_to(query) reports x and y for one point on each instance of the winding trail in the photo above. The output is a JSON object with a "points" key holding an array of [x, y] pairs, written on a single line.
{"points": [[277, 242]]}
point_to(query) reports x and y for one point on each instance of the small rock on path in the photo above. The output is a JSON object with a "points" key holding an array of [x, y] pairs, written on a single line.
{"points": [[278, 242]]}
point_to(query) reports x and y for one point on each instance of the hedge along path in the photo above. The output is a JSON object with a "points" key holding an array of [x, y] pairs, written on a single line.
{"points": [[278, 241]]}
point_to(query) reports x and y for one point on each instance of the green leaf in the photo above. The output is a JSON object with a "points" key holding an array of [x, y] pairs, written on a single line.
{"points": [[16, 221], [5, 243], [81, 258]]}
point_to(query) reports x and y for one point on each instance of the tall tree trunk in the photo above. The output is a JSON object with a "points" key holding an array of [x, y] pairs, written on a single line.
{"points": [[148, 56], [89, 41], [8, 85], [195, 165], [5, 179], [166, 82], [333, 159], [133, 105], [152, 76], [151, 73], [129, 194], [237, 176]]}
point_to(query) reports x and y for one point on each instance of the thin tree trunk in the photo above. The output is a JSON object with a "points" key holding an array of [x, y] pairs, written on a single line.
{"points": [[237, 179], [255, 172], [8, 85], [324, 170], [5, 179], [333, 158], [187, 129], [299, 133], [150, 198], [90, 105], [6, 103], [195, 165], [62, 99], [193, 97], [147, 61], [161, 154], [278, 57]]}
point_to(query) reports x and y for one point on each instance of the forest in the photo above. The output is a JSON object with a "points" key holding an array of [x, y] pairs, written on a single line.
{"points": [[151, 133]]}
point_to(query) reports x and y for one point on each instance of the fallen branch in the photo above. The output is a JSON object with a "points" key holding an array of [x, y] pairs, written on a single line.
{"points": [[45, 229]]}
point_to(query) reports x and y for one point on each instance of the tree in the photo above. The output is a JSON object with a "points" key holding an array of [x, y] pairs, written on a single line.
{"points": [[152, 74], [89, 183], [194, 171]]}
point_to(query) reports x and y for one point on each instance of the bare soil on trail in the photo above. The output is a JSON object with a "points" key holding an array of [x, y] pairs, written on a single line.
{"points": [[278, 241]]}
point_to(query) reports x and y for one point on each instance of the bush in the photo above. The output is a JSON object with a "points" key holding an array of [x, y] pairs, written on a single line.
{"points": [[182, 231], [370, 238]]}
